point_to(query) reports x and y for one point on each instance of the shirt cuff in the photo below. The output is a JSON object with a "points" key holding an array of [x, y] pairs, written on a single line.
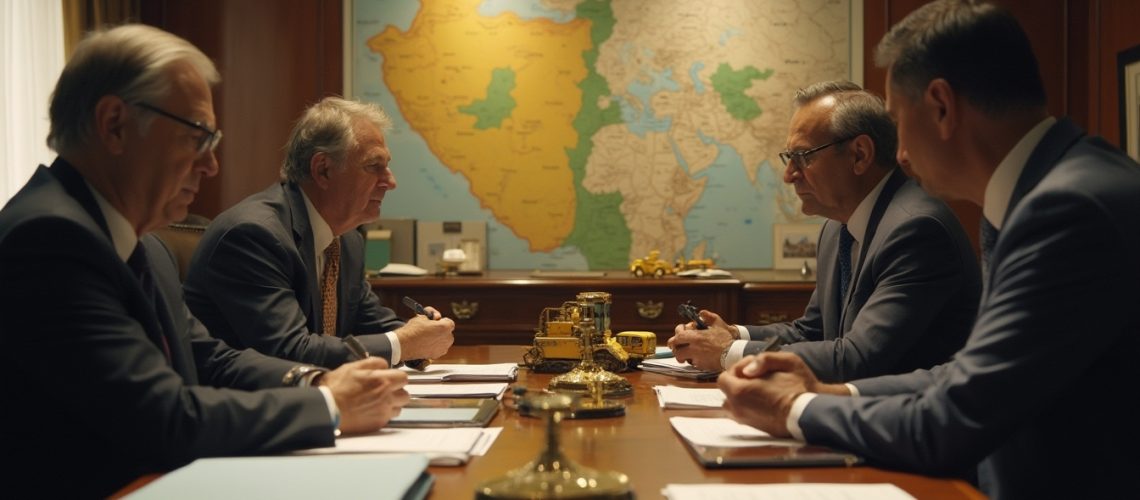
{"points": [[395, 347], [743, 332], [735, 353], [334, 412], [797, 410], [854, 390]]}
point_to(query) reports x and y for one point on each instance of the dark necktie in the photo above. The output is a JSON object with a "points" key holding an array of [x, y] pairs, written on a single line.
{"points": [[328, 287], [140, 265], [845, 242], [988, 236]]}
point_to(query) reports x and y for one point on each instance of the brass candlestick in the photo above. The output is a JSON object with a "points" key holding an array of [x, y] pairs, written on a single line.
{"points": [[552, 475]]}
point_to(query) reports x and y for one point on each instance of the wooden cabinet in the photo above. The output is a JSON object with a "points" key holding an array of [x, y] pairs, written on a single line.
{"points": [[502, 307]]}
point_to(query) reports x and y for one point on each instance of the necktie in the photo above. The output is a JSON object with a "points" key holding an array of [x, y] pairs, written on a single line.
{"points": [[988, 236], [328, 287], [140, 265], [845, 242]]}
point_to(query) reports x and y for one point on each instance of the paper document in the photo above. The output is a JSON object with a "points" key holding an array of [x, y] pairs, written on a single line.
{"points": [[452, 446], [814, 491], [670, 366], [725, 433], [450, 390], [441, 372], [288, 477], [673, 397]]}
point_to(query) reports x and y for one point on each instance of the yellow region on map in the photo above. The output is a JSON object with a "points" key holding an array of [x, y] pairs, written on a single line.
{"points": [[440, 69]]}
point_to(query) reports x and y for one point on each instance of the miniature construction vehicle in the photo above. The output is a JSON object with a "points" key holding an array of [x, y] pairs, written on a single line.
{"points": [[638, 345], [559, 343], [651, 265]]}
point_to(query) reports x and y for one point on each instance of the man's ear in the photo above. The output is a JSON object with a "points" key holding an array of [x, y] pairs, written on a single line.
{"points": [[320, 169], [864, 149], [111, 121], [943, 103]]}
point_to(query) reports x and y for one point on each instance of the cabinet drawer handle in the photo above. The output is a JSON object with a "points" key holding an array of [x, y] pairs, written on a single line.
{"points": [[769, 318], [464, 310], [650, 309]]}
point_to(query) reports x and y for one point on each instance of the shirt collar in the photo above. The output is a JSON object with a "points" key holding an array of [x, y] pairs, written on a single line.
{"points": [[1000, 188], [861, 217], [322, 233], [123, 235]]}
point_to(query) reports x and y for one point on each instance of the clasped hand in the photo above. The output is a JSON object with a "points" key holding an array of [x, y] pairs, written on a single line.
{"points": [[759, 390], [367, 393]]}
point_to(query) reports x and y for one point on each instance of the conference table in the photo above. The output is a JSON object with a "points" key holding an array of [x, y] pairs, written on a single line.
{"points": [[640, 444]]}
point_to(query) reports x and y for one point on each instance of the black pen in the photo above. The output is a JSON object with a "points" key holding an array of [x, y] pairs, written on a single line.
{"points": [[418, 364], [355, 347]]}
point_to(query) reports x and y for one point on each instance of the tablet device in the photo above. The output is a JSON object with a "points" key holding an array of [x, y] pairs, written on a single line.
{"points": [[446, 412], [771, 456]]}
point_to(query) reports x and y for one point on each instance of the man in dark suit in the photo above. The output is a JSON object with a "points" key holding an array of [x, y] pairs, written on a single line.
{"points": [[111, 377], [1034, 395], [912, 282], [265, 274]]}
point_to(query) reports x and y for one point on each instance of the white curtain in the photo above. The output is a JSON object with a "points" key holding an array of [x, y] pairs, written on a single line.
{"points": [[31, 58]]}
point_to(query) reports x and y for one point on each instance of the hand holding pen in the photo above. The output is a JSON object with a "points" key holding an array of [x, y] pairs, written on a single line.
{"points": [[431, 336]]}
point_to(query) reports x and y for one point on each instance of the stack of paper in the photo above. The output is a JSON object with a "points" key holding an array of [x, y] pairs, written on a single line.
{"points": [[451, 446], [818, 491], [449, 390], [725, 433], [673, 397], [670, 366], [440, 372], [402, 477]]}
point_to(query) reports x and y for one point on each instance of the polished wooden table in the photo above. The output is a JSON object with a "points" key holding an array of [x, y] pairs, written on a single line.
{"points": [[640, 444]]}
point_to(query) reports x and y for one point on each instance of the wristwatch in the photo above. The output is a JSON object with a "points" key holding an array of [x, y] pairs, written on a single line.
{"points": [[301, 375], [723, 358]]}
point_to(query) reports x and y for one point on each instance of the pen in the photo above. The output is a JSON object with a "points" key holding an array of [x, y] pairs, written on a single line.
{"points": [[689, 312], [418, 364], [355, 347]]}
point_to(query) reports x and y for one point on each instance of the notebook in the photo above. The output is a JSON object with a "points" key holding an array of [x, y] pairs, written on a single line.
{"points": [[442, 372]]}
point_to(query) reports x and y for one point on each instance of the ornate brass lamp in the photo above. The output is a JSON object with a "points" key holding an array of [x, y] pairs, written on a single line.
{"points": [[551, 474]]}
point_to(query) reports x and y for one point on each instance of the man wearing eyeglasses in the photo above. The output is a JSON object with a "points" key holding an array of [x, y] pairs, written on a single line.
{"points": [[110, 376], [283, 270], [897, 282]]}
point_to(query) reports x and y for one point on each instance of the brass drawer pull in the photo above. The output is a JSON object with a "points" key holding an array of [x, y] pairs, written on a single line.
{"points": [[464, 310], [769, 318], [650, 309]]}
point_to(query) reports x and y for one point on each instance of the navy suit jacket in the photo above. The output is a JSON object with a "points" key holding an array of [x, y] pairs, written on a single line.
{"points": [[1035, 394], [92, 401], [912, 300], [253, 282]]}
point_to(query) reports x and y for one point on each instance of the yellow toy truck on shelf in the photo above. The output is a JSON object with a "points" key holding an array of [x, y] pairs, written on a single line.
{"points": [[559, 342], [651, 265]]}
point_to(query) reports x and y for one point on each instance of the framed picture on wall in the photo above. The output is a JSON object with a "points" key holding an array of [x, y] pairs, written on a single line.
{"points": [[794, 244], [1128, 71]]}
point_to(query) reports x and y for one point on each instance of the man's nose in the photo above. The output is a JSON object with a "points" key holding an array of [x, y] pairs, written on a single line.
{"points": [[208, 164]]}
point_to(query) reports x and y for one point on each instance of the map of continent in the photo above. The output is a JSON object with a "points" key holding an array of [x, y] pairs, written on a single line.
{"points": [[587, 133]]}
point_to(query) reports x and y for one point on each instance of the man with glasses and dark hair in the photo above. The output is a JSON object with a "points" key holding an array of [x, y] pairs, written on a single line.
{"points": [[283, 270], [897, 283], [110, 377]]}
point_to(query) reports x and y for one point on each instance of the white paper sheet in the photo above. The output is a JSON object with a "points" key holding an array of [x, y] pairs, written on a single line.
{"points": [[673, 397], [800, 491], [442, 372], [450, 446], [457, 390], [725, 433]]}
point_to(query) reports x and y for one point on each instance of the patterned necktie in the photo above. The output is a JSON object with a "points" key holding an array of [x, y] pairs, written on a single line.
{"points": [[845, 242], [140, 265], [988, 236], [328, 287]]}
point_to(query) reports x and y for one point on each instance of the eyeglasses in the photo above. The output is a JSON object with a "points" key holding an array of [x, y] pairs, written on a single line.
{"points": [[209, 139], [798, 159]]}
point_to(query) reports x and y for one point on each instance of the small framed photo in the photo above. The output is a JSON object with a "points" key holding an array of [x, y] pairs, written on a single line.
{"points": [[794, 244], [1128, 76]]}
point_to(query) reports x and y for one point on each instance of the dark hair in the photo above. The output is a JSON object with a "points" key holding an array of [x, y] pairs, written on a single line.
{"points": [[856, 112], [978, 48]]}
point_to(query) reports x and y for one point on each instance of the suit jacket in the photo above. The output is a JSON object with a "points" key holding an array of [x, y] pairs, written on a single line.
{"points": [[913, 295], [93, 402], [1035, 393], [253, 282]]}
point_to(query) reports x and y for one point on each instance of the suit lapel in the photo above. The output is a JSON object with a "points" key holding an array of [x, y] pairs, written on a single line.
{"points": [[895, 180], [303, 239]]}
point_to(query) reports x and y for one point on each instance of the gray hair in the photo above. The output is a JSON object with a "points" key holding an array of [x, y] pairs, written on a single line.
{"points": [[128, 61], [979, 49], [328, 127], [856, 112]]}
